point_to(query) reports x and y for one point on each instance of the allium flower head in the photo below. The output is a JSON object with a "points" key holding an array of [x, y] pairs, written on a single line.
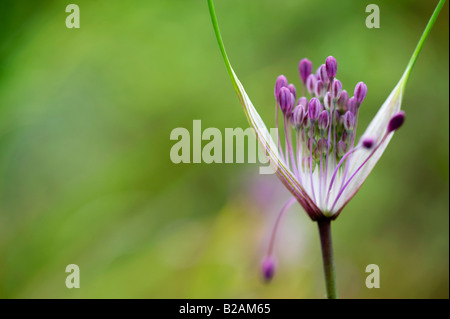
{"points": [[322, 162]]}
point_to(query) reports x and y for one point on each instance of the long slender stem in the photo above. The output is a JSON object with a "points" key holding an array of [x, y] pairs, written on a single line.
{"points": [[419, 46], [327, 256]]}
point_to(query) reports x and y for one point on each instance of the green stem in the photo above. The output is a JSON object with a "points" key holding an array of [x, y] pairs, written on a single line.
{"points": [[327, 256], [219, 39], [419, 46]]}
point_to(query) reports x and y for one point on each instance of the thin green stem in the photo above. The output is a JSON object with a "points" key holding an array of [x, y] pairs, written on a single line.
{"points": [[327, 256], [215, 24], [424, 36]]}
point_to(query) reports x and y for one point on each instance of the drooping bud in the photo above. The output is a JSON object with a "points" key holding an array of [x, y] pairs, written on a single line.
{"points": [[327, 100], [319, 88], [323, 73], [324, 120], [368, 142], [268, 266], [349, 121], [281, 82], [304, 68], [311, 83], [298, 115], [341, 148], [314, 109], [343, 99], [360, 92], [396, 121], [303, 101], [336, 89], [352, 105], [286, 100], [291, 88], [331, 67]]}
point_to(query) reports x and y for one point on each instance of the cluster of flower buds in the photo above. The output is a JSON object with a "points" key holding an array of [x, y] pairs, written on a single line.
{"points": [[326, 122], [320, 151]]}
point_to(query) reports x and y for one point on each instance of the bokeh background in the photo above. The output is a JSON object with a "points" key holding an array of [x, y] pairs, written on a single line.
{"points": [[85, 173]]}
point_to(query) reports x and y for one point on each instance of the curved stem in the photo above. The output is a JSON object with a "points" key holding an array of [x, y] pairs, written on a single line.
{"points": [[419, 46], [327, 256]]}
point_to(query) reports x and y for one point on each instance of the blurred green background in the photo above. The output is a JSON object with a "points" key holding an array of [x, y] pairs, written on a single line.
{"points": [[85, 173]]}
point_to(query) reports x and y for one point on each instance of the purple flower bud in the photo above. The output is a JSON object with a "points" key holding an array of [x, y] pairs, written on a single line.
{"points": [[327, 100], [319, 89], [318, 72], [323, 121], [314, 109], [336, 89], [306, 123], [349, 121], [312, 143], [322, 145], [323, 73], [368, 142], [352, 105], [343, 99], [268, 266], [291, 88], [341, 148], [303, 101], [311, 83], [336, 117], [304, 68], [344, 136], [298, 115], [360, 92], [286, 101], [281, 82], [396, 121], [331, 66]]}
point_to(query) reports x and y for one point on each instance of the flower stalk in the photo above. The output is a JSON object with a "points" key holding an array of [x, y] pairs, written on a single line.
{"points": [[327, 255]]}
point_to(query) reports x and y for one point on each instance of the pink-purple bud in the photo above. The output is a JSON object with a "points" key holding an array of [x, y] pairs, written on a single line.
{"points": [[368, 142], [344, 136], [343, 99], [360, 92], [349, 121], [352, 105], [291, 88], [336, 89], [311, 83], [268, 266], [324, 120], [331, 67], [337, 116], [323, 73], [304, 68], [298, 115], [318, 73], [303, 101], [341, 148], [319, 88], [322, 145], [314, 109], [396, 121], [281, 82], [286, 100], [327, 100], [312, 143]]}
